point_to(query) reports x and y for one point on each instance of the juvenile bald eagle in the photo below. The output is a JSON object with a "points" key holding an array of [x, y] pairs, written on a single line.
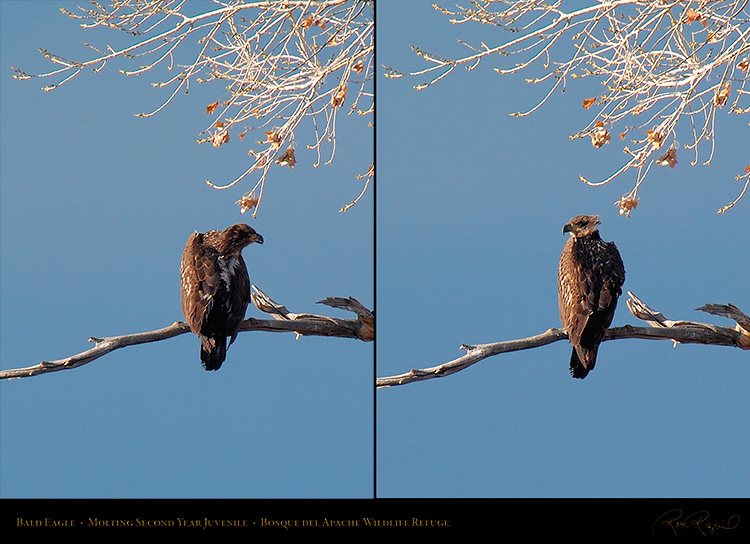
{"points": [[590, 279], [216, 288]]}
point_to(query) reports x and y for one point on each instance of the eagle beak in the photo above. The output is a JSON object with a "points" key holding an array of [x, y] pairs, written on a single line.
{"points": [[567, 228], [257, 238]]}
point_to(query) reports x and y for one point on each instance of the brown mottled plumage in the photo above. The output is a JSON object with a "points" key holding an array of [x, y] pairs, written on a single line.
{"points": [[216, 288], [590, 279]]}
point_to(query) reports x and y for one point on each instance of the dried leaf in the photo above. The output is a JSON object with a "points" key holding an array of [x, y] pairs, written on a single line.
{"points": [[247, 203], [668, 159], [287, 158], [211, 107], [744, 64], [627, 205], [722, 94], [241, 135], [600, 135], [587, 103], [220, 138], [272, 137], [339, 96], [655, 138], [358, 67], [691, 16]]}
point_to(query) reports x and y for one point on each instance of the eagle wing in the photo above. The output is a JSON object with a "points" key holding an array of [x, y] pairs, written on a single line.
{"points": [[571, 301], [239, 297], [200, 281]]}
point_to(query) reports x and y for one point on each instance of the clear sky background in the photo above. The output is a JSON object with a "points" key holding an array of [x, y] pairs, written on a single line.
{"points": [[96, 208], [470, 208]]}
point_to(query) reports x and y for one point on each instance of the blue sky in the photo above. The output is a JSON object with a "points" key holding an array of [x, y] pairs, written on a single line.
{"points": [[470, 207], [96, 205], [96, 208]]}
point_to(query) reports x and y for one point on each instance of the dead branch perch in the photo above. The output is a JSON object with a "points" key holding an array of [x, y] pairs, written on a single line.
{"points": [[308, 324], [684, 332], [284, 321]]}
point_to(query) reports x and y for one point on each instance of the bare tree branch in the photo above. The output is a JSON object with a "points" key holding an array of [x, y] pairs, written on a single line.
{"points": [[279, 62], [302, 324], [363, 327], [683, 332], [658, 63]]}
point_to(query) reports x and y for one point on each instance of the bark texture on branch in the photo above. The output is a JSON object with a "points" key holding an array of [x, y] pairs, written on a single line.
{"points": [[361, 328], [684, 332]]}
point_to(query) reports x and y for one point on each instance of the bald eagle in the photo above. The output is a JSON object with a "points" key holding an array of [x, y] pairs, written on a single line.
{"points": [[590, 278], [216, 288]]}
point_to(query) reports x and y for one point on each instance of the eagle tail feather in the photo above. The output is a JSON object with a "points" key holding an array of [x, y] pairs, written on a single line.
{"points": [[213, 351], [582, 363]]}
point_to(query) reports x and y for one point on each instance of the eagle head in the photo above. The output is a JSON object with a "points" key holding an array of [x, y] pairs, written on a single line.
{"points": [[582, 225], [237, 237]]}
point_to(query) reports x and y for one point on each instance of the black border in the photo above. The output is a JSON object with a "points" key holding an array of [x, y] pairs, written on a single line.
{"points": [[663, 519]]}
